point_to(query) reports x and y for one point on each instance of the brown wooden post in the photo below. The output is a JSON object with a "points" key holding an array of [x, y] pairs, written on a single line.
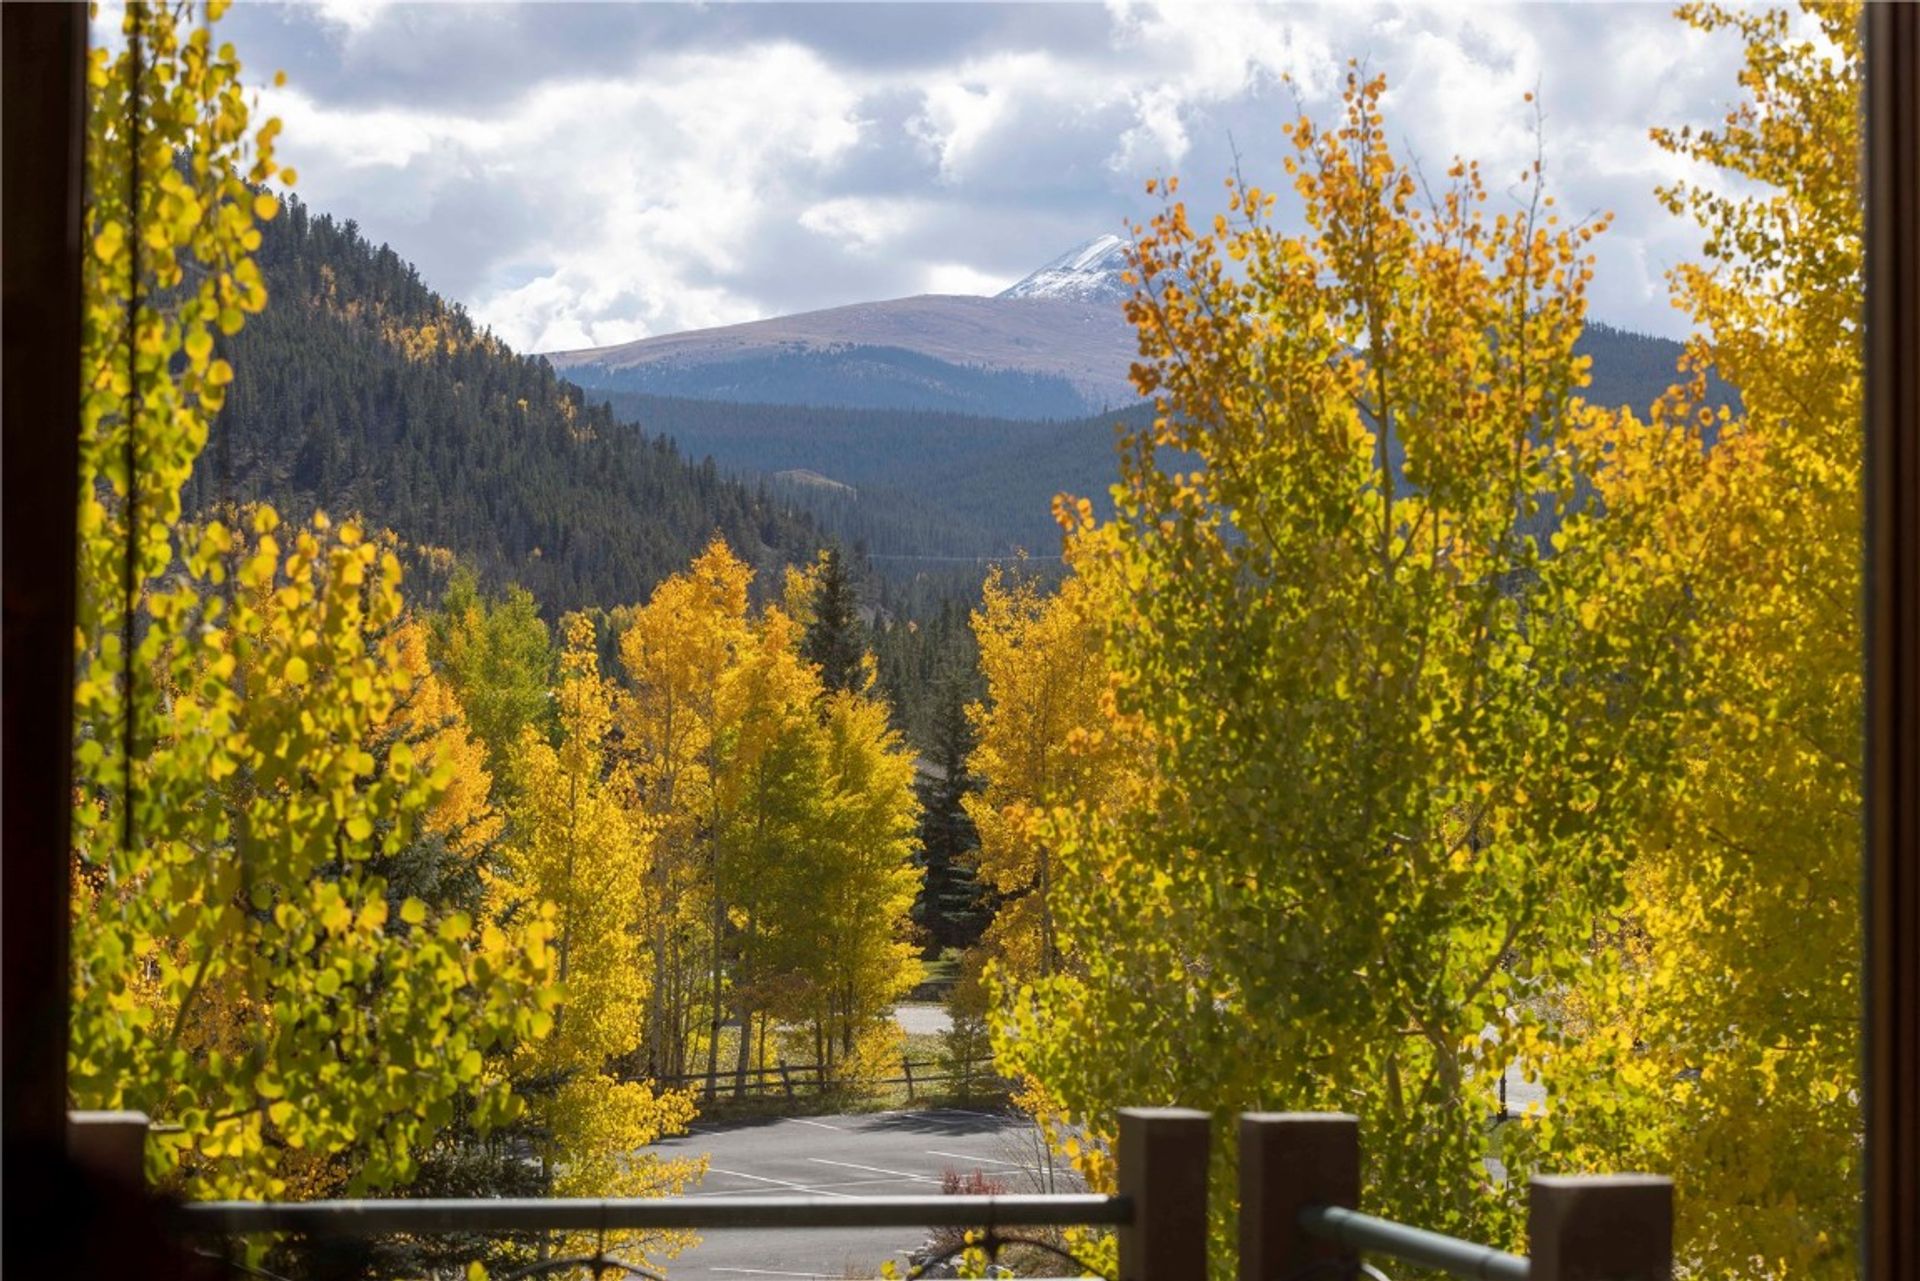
{"points": [[1289, 1161], [42, 167], [785, 1079], [1162, 1161], [45, 58], [906, 1065], [110, 1145], [1892, 780], [1607, 1227]]}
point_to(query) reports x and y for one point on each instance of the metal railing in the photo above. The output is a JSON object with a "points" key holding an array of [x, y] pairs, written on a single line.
{"points": [[613, 1214], [1442, 1253], [1299, 1186]]}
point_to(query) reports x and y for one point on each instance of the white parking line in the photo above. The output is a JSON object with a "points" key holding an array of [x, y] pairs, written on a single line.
{"points": [[818, 1125], [874, 1169], [769, 1272], [810, 1187], [780, 1183], [961, 1156]]}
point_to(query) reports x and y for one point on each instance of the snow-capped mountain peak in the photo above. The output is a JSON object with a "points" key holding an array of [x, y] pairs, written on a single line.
{"points": [[1089, 272]]}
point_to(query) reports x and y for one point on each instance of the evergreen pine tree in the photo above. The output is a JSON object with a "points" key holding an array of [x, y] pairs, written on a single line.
{"points": [[951, 909], [833, 641]]}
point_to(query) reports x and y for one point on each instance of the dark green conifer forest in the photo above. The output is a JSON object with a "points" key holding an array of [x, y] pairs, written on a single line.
{"points": [[362, 391]]}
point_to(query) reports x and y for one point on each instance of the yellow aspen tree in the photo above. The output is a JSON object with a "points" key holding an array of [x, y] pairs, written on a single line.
{"points": [[579, 848], [240, 972], [1044, 737], [433, 721], [1394, 759], [836, 952], [677, 653], [1735, 1013], [867, 883], [770, 790]]}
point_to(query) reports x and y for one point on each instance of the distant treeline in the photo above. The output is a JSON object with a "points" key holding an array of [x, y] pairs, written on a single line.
{"points": [[930, 485], [870, 377], [929, 489]]}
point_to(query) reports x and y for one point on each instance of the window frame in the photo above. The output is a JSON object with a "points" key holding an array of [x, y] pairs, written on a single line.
{"points": [[44, 54]]}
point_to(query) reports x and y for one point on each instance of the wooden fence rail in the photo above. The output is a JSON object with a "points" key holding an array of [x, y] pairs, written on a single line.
{"points": [[1298, 1213], [792, 1079]]}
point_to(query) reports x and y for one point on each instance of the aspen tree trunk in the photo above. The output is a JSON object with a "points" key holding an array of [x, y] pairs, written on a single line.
{"points": [[713, 1022], [682, 1024], [744, 1013], [660, 1002], [1049, 949], [846, 1018]]}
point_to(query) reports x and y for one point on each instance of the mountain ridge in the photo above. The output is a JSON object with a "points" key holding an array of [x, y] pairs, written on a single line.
{"points": [[1055, 345], [1034, 357]]}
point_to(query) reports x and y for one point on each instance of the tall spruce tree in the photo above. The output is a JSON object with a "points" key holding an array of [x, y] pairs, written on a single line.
{"points": [[833, 641], [951, 908]]}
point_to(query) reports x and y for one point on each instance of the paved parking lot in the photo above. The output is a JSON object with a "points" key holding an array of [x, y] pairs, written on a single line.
{"points": [[871, 1154], [876, 1154]]}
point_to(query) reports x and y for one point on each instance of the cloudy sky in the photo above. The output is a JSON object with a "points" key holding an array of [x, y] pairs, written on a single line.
{"points": [[583, 174]]}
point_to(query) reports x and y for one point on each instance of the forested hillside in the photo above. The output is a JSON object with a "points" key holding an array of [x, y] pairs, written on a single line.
{"points": [[917, 486], [362, 390], [924, 484]]}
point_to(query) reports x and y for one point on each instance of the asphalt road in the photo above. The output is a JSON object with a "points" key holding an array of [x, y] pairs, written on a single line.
{"points": [[876, 1154], [872, 1154]]}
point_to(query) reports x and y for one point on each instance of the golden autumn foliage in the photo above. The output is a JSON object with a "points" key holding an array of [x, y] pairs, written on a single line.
{"points": [[1412, 719], [1347, 603], [582, 853], [786, 821], [1488, 728], [1733, 1019], [436, 726], [241, 972], [1046, 736], [677, 653]]}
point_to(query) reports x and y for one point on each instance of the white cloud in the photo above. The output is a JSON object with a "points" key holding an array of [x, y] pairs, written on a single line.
{"points": [[711, 183], [960, 278], [354, 16], [861, 224], [636, 194], [392, 139], [964, 108], [1159, 140]]}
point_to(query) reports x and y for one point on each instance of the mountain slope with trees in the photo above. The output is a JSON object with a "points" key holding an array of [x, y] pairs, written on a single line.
{"points": [[362, 390]]}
